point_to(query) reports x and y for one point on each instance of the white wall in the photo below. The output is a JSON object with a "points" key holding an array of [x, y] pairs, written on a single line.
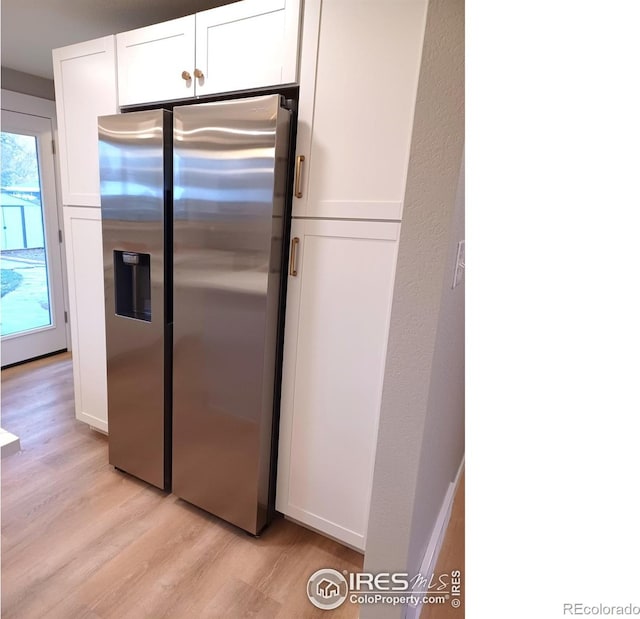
{"points": [[421, 435], [27, 84]]}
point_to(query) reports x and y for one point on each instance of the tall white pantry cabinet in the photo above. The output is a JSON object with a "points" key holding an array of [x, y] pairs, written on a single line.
{"points": [[358, 71], [359, 67], [85, 84]]}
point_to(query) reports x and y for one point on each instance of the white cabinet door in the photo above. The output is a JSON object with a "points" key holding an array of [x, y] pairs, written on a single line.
{"points": [[153, 62], [83, 234], [85, 83], [248, 44], [358, 81], [337, 322]]}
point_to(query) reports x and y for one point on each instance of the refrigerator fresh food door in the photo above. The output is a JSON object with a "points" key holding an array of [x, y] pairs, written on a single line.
{"points": [[230, 167], [133, 185]]}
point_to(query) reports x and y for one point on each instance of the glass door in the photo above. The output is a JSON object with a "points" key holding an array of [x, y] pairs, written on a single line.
{"points": [[32, 319]]}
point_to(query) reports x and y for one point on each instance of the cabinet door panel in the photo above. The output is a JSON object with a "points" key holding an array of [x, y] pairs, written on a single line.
{"points": [[247, 44], [83, 234], [356, 128], [338, 311], [85, 83], [151, 61]]}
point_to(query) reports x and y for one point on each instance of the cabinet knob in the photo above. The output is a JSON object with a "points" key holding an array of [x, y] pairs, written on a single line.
{"points": [[186, 76], [198, 73]]}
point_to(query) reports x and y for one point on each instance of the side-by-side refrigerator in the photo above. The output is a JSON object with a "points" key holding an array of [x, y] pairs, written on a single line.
{"points": [[193, 218]]}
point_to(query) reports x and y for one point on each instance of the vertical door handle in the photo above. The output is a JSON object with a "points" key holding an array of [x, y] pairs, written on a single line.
{"points": [[299, 162], [292, 258]]}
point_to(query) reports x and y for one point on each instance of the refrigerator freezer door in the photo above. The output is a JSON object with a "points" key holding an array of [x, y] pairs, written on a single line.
{"points": [[230, 163], [133, 190]]}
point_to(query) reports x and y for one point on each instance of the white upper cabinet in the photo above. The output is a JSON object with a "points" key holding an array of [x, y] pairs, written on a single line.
{"points": [[358, 81], [247, 44], [239, 46], [85, 84], [156, 63]]}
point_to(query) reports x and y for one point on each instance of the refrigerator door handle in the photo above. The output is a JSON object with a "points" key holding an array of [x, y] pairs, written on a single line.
{"points": [[292, 260]]}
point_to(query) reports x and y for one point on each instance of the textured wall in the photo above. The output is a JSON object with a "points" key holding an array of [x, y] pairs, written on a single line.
{"points": [[443, 433], [420, 441], [27, 84]]}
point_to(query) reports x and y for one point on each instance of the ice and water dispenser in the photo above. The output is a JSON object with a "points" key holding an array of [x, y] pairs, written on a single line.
{"points": [[132, 284]]}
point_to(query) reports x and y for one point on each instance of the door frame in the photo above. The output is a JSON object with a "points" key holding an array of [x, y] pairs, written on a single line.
{"points": [[36, 106]]}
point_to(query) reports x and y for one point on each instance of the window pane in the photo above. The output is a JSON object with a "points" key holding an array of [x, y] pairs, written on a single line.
{"points": [[23, 263]]}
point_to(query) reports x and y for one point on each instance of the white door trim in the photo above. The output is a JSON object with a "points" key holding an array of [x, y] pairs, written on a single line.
{"points": [[36, 106], [44, 114]]}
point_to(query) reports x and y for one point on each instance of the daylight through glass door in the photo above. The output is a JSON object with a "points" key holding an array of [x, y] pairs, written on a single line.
{"points": [[25, 301]]}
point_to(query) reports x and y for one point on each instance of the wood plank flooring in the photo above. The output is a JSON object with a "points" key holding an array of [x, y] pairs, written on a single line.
{"points": [[451, 558], [83, 541]]}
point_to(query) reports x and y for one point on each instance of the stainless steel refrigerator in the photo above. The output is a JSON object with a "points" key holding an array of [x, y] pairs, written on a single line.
{"points": [[193, 217]]}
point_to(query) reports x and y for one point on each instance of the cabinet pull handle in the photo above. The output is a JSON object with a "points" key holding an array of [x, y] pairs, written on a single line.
{"points": [[186, 76], [198, 73], [292, 258], [299, 162]]}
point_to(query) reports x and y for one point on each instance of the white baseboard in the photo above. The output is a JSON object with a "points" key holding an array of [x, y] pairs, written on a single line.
{"points": [[428, 566]]}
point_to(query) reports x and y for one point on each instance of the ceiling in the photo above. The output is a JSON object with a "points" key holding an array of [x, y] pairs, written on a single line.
{"points": [[32, 28]]}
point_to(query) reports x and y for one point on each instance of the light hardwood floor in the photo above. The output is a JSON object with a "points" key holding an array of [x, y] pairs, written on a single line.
{"points": [[83, 541]]}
